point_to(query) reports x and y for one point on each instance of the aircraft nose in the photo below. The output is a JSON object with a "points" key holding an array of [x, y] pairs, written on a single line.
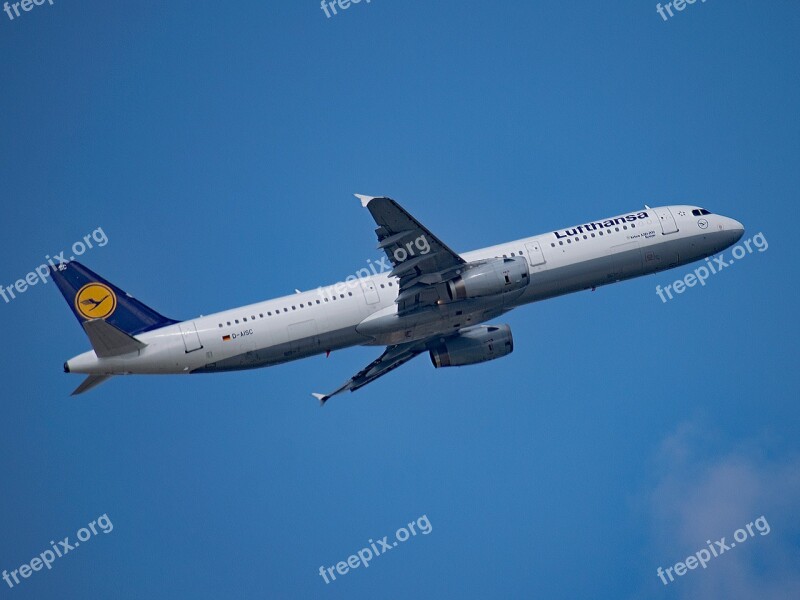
{"points": [[736, 228]]}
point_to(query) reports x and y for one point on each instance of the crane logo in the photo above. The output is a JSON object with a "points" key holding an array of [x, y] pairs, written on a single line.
{"points": [[95, 301]]}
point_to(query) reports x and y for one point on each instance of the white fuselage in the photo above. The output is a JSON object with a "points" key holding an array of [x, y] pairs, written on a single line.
{"points": [[363, 311]]}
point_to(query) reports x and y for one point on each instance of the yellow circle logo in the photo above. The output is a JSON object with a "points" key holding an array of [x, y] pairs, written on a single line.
{"points": [[95, 301]]}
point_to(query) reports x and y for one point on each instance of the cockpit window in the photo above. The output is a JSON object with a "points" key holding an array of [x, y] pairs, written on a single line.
{"points": [[700, 211]]}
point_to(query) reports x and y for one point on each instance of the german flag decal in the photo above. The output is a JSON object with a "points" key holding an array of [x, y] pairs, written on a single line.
{"points": [[226, 338]]}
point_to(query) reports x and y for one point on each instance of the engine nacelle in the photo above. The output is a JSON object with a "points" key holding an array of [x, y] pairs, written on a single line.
{"points": [[490, 278], [473, 345]]}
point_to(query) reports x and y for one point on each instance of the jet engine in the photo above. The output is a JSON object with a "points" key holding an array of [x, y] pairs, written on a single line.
{"points": [[490, 278], [473, 345]]}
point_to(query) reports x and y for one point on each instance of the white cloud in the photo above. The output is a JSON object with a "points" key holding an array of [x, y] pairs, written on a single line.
{"points": [[703, 494]]}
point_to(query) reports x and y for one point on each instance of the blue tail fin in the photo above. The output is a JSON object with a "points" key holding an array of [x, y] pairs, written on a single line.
{"points": [[92, 297]]}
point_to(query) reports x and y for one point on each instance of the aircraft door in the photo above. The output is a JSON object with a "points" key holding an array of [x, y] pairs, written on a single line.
{"points": [[370, 290], [535, 255], [667, 221], [191, 340]]}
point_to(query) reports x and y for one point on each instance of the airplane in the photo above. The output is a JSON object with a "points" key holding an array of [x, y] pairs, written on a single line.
{"points": [[432, 300]]}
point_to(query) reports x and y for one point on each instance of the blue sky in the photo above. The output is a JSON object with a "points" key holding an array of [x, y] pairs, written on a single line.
{"points": [[217, 145]]}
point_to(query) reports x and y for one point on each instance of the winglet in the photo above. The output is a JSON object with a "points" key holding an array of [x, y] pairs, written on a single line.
{"points": [[365, 199], [321, 397]]}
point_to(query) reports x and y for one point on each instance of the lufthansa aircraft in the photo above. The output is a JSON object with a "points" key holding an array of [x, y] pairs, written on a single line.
{"points": [[433, 300]]}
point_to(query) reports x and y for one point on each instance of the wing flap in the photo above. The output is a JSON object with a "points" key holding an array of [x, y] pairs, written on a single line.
{"points": [[409, 265], [393, 239]]}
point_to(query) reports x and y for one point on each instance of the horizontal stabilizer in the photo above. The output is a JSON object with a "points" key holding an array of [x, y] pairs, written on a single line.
{"points": [[90, 382], [109, 341]]}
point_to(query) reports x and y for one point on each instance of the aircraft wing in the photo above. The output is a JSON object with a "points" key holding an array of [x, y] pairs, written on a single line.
{"points": [[421, 261], [392, 357]]}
